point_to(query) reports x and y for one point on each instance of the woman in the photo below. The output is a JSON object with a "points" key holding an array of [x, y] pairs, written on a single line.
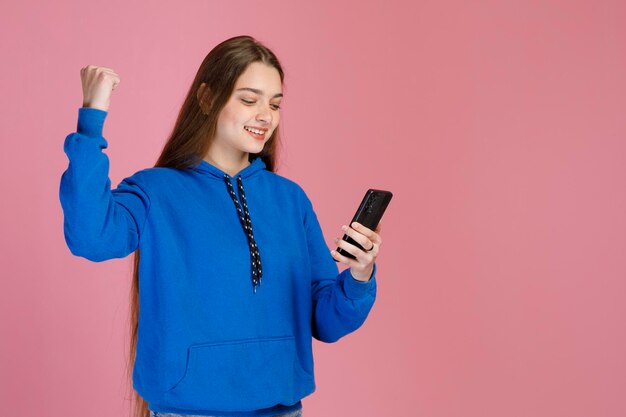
{"points": [[234, 278]]}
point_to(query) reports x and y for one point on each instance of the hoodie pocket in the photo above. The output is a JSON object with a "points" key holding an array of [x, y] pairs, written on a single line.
{"points": [[241, 375]]}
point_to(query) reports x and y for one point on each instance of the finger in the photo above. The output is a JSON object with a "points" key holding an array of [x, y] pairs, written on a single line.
{"points": [[371, 235], [348, 247], [362, 229], [343, 259], [359, 254], [357, 236]]}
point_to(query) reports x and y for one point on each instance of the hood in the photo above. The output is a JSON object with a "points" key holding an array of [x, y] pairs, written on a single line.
{"points": [[255, 167]]}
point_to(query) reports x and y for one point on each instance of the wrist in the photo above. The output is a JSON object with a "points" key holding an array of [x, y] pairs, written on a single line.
{"points": [[362, 277], [96, 105]]}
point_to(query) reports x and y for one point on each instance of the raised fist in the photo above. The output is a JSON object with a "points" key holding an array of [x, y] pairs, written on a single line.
{"points": [[98, 84]]}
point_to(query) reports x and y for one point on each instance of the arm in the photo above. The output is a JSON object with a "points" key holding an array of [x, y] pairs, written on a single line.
{"points": [[99, 224], [340, 302]]}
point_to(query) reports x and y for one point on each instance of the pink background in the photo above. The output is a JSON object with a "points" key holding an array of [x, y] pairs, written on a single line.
{"points": [[499, 126]]}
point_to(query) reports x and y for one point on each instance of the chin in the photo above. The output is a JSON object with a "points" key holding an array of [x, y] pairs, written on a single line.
{"points": [[257, 149], [250, 151]]}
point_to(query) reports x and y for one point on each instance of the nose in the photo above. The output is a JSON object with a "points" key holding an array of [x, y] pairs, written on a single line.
{"points": [[264, 115]]}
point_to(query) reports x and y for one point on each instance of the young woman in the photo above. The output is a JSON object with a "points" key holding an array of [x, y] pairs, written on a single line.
{"points": [[234, 278]]}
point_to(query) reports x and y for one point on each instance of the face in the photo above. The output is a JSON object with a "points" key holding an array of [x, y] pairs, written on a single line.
{"points": [[254, 104]]}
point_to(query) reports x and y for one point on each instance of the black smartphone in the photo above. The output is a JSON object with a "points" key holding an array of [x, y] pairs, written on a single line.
{"points": [[368, 214]]}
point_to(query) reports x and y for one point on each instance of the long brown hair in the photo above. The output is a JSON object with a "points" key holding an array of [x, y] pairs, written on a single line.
{"points": [[191, 138]]}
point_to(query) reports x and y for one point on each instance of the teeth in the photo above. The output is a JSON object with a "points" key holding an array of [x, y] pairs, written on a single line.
{"points": [[258, 132]]}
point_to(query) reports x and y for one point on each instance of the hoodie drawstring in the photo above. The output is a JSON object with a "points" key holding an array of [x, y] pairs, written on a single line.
{"points": [[244, 218]]}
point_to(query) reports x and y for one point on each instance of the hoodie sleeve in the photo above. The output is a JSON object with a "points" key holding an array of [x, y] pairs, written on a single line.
{"points": [[340, 302], [99, 223]]}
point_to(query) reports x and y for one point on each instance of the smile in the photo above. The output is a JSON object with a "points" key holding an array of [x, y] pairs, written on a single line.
{"points": [[253, 130], [255, 133]]}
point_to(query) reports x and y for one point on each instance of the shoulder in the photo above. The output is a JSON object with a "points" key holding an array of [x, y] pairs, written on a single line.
{"points": [[286, 184], [295, 191], [153, 177], [147, 175]]}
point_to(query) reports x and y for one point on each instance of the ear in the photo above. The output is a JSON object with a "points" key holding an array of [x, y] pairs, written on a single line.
{"points": [[203, 95]]}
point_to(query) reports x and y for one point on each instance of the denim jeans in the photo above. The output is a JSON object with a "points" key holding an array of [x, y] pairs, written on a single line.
{"points": [[297, 413]]}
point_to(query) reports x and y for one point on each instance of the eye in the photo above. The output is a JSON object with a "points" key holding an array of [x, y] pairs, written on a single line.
{"points": [[249, 102]]}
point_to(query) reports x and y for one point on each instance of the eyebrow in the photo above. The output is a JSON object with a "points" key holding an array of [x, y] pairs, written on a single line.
{"points": [[257, 91]]}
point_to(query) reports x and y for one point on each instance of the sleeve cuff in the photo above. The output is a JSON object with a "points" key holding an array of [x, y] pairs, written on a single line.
{"points": [[354, 288], [90, 121]]}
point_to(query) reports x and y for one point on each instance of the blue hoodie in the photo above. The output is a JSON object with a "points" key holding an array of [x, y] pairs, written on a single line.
{"points": [[208, 343]]}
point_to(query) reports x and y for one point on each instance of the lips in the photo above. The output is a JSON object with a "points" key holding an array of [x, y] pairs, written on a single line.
{"points": [[262, 129], [255, 135]]}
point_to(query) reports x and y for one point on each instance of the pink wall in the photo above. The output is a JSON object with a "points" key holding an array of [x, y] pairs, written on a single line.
{"points": [[499, 126]]}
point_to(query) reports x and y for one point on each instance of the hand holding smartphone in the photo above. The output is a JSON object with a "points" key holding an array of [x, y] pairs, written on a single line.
{"points": [[369, 214]]}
